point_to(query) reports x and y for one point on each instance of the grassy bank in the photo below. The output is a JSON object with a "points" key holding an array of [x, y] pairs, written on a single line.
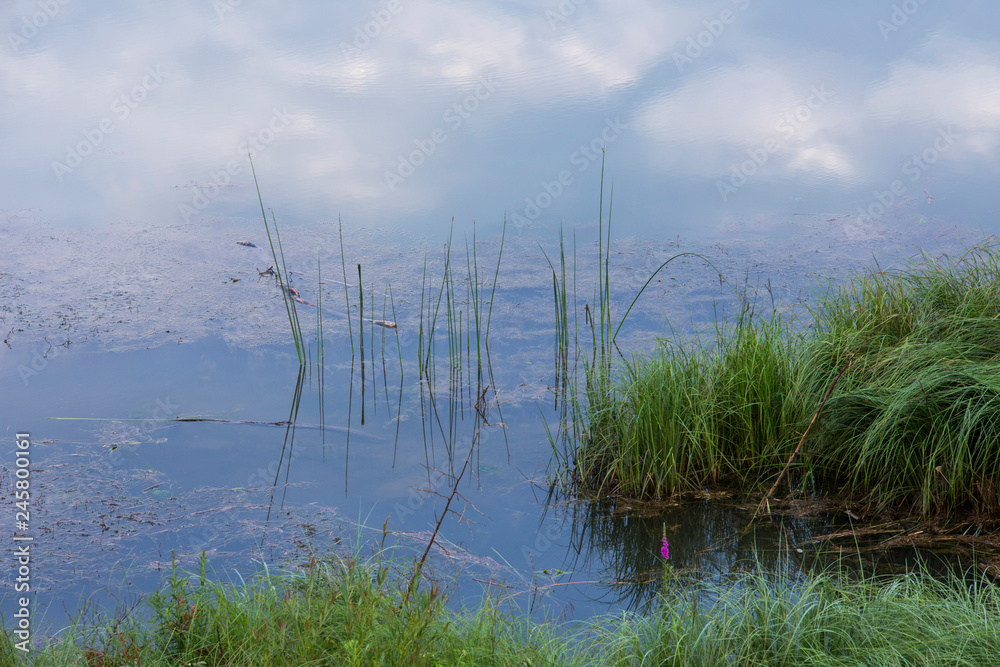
{"points": [[336, 612], [343, 613], [913, 422], [763, 619]]}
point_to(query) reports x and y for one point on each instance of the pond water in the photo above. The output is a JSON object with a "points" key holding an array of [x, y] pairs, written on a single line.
{"points": [[788, 144]]}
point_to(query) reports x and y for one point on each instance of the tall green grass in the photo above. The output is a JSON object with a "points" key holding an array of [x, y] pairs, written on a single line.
{"points": [[685, 417], [913, 424], [823, 619], [336, 612], [916, 420], [567, 399], [452, 304], [347, 612], [631, 444]]}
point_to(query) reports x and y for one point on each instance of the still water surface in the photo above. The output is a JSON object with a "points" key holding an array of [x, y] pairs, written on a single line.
{"points": [[787, 142]]}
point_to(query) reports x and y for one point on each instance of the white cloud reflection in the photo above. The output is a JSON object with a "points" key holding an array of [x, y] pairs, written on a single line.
{"points": [[353, 114], [948, 82], [708, 122], [713, 119]]}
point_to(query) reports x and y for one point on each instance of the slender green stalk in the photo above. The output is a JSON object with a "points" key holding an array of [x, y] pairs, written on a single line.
{"points": [[653, 275], [421, 341], [361, 340], [385, 375], [399, 349], [280, 269], [371, 342], [347, 298], [296, 325], [320, 344], [474, 297], [432, 318], [493, 289]]}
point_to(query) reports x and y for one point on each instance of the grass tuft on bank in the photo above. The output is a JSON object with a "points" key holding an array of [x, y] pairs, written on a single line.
{"points": [[765, 619], [913, 423], [337, 612]]}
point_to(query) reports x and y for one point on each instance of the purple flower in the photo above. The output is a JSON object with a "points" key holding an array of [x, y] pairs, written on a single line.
{"points": [[665, 549]]}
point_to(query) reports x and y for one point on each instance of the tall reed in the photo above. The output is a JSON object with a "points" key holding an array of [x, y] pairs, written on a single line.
{"points": [[282, 271], [347, 298], [463, 325], [321, 348], [597, 421]]}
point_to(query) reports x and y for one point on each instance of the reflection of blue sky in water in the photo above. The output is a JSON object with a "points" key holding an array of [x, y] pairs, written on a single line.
{"points": [[706, 93]]}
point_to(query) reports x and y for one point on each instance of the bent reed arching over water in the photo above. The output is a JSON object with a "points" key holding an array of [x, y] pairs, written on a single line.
{"points": [[912, 423]]}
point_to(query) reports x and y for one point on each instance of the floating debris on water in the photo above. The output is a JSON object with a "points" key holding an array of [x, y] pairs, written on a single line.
{"points": [[294, 293]]}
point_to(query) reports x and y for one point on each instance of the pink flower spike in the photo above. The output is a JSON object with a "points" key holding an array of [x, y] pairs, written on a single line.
{"points": [[665, 549]]}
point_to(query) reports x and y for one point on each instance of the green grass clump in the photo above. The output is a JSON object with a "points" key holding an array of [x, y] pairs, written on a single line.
{"points": [[684, 416], [916, 419], [913, 423]]}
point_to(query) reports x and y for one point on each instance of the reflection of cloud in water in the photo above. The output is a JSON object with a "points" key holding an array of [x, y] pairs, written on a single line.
{"points": [[715, 119], [440, 45], [352, 114], [712, 119], [948, 82], [225, 77]]}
